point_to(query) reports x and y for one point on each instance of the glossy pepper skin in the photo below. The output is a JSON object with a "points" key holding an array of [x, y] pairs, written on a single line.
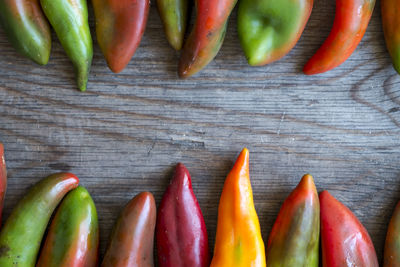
{"points": [[345, 241], [207, 35], [69, 19], [269, 29], [73, 237], [181, 232], [132, 238], [351, 22], [294, 239], [120, 25], [27, 28], [391, 257], [238, 241], [3, 179], [174, 15], [390, 22], [23, 231]]}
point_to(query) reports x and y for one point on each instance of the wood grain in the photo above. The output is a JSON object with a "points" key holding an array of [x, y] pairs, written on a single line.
{"points": [[126, 133]]}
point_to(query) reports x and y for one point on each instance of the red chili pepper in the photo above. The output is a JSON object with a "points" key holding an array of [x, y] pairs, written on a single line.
{"points": [[345, 241], [207, 35], [351, 22], [120, 25], [3, 179], [181, 232]]}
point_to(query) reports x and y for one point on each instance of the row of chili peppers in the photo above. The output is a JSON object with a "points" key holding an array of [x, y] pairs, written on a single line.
{"points": [[181, 235], [268, 30]]}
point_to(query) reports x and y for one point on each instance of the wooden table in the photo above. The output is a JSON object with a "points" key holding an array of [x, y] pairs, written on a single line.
{"points": [[126, 133]]}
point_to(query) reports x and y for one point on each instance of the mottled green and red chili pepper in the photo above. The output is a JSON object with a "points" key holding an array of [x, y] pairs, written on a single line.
{"points": [[27, 28], [269, 29], [21, 236], [391, 28], [294, 238], [132, 238], [207, 35], [3, 179], [351, 22], [120, 25], [73, 236], [391, 257], [181, 232], [344, 240]]}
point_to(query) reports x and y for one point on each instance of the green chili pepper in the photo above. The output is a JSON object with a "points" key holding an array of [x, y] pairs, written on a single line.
{"points": [[174, 14], [69, 19], [23, 231], [269, 29], [73, 238], [27, 28]]}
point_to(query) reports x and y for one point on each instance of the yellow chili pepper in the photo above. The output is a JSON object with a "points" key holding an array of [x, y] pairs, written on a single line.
{"points": [[238, 241]]}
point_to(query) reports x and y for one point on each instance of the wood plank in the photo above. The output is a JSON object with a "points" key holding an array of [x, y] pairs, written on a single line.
{"points": [[126, 133]]}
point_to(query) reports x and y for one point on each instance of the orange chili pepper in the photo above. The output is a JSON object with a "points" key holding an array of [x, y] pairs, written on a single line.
{"points": [[238, 241]]}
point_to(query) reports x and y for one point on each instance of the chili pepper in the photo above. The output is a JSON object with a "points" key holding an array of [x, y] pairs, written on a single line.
{"points": [[3, 179], [69, 19], [238, 241], [181, 232], [73, 237], [269, 29], [390, 22], [132, 239], [351, 22], [345, 241], [294, 238], [27, 28], [174, 15], [391, 255], [120, 25], [207, 35], [23, 231]]}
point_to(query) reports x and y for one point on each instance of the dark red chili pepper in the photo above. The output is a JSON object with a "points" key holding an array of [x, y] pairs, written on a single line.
{"points": [[181, 232], [351, 22], [345, 241]]}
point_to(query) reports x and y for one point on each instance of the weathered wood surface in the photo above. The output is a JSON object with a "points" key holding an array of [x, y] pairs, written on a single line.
{"points": [[126, 133]]}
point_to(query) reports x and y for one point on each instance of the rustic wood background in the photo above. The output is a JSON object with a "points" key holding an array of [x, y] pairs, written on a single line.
{"points": [[126, 133]]}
